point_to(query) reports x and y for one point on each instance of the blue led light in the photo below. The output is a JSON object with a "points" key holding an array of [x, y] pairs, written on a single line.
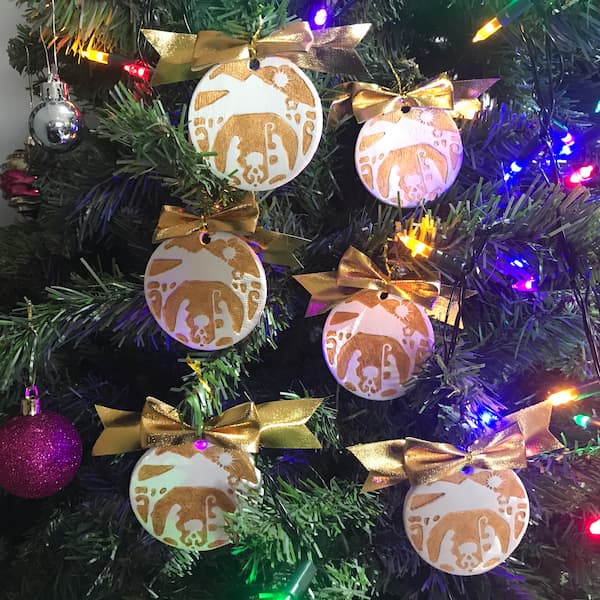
{"points": [[487, 417], [597, 109], [515, 167], [565, 151]]}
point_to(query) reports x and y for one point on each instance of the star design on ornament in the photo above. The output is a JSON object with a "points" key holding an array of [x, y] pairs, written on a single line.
{"points": [[280, 79], [229, 253], [225, 459], [427, 117], [494, 482]]}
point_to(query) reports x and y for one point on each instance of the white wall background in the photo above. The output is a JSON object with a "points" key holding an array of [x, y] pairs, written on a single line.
{"points": [[14, 98]]}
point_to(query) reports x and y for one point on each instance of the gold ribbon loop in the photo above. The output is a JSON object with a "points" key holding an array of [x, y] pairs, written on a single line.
{"points": [[279, 424], [214, 47], [356, 272], [184, 56], [428, 461], [367, 100], [524, 433], [239, 218]]}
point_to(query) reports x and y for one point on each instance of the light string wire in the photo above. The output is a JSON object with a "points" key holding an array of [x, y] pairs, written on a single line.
{"points": [[547, 108]]}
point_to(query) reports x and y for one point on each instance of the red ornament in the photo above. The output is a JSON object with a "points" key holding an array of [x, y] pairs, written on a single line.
{"points": [[40, 452]]}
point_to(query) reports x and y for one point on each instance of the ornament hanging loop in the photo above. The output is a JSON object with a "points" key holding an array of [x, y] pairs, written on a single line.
{"points": [[254, 63], [30, 325], [30, 405]]}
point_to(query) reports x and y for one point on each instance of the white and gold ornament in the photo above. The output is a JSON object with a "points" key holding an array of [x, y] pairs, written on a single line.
{"points": [[409, 156], [374, 342], [207, 292], [467, 524], [180, 494], [263, 125]]}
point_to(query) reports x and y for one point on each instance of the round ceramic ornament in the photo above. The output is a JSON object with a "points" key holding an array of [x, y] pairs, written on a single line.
{"points": [[263, 125], [180, 494], [413, 155], [467, 524], [208, 292], [374, 342]]}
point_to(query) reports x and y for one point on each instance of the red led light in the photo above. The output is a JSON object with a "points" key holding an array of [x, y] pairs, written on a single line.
{"points": [[581, 175], [137, 70], [594, 528]]}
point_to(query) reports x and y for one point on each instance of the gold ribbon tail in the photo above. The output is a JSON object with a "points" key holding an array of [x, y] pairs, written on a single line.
{"points": [[277, 424], [121, 431], [283, 423], [383, 461], [534, 422], [276, 248], [176, 51]]}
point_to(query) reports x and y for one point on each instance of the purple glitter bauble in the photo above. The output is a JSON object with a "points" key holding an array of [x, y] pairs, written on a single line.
{"points": [[39, 454]]}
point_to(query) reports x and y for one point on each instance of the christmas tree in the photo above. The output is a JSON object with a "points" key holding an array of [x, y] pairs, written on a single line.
{"points": [[442, 217]]}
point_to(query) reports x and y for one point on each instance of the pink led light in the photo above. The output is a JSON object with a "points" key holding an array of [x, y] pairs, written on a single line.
{"points": [[201, 445], [525, 285], [568, 140]]}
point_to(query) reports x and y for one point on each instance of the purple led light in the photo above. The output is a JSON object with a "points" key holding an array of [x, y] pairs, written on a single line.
{"points": [[525, 285], [201, 445], [320, 17]]}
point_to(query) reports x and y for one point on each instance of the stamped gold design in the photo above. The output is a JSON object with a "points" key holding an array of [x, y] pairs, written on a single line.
{"points": [[263, 125], [414, 155], [185, 493], [467, 524], [206, 295], [374, 345]]}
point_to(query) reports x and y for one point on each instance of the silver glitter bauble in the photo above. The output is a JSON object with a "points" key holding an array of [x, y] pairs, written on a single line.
{"points": [[55, 122]]}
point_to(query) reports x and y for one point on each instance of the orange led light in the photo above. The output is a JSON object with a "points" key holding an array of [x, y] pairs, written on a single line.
{"points": [[563, 396], [95, 56], [415, 246], [487, 30]]}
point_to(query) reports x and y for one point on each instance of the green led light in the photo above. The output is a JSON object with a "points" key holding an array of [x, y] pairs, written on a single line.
{"points": [[298, 586], [582, 420], [598, 107]]}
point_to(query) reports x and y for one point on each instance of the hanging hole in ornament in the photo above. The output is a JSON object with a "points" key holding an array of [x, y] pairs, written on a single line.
{"points": [[405, 109], [383, 295], [205, 238], [254, 64]]}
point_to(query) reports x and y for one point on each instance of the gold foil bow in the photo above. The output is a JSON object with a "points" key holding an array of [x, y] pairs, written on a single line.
{"points": [[279, 424], [368, 100], [239, 218], [357, 272], [521, 434], [184, 55]]}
